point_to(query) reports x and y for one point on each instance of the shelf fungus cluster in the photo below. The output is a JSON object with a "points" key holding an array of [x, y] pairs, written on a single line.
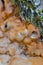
{"points": [[19, 41]]}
